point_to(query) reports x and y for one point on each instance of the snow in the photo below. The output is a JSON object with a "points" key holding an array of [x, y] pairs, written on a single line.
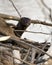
{"points": [[29, 8]]}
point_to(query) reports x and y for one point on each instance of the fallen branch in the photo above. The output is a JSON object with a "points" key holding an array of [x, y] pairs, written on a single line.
{"points": [[41, 22], [9, 17], [33, 32]]}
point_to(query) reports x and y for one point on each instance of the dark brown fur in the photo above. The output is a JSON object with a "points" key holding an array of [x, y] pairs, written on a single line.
{"points": [[22, 25]]}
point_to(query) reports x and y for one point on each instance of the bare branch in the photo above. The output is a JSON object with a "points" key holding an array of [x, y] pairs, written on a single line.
{"points": [[9, 17], [18, 59], [42, 49], [25, 58], [45, 5], [42, 8], [33, 32], [17, 19], [49, 9], [15, 8], [12, 47], [35, 47], [41, 22]]}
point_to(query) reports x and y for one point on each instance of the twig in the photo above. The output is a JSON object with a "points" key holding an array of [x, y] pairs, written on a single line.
{"points": [[18, 58], [33, 55], [9, 17], [49, 9], [27, 54], [41, 22], [15, 8], [32, 21], [35, 47], [41, 52], [32, 32], [12, 47], [45, 5]]}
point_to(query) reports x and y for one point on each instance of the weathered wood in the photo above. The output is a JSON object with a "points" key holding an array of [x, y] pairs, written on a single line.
{"points": [[9, 17]]}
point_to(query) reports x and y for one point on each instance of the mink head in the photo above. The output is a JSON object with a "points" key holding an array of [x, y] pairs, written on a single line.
{"points": [[25, 21]]}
